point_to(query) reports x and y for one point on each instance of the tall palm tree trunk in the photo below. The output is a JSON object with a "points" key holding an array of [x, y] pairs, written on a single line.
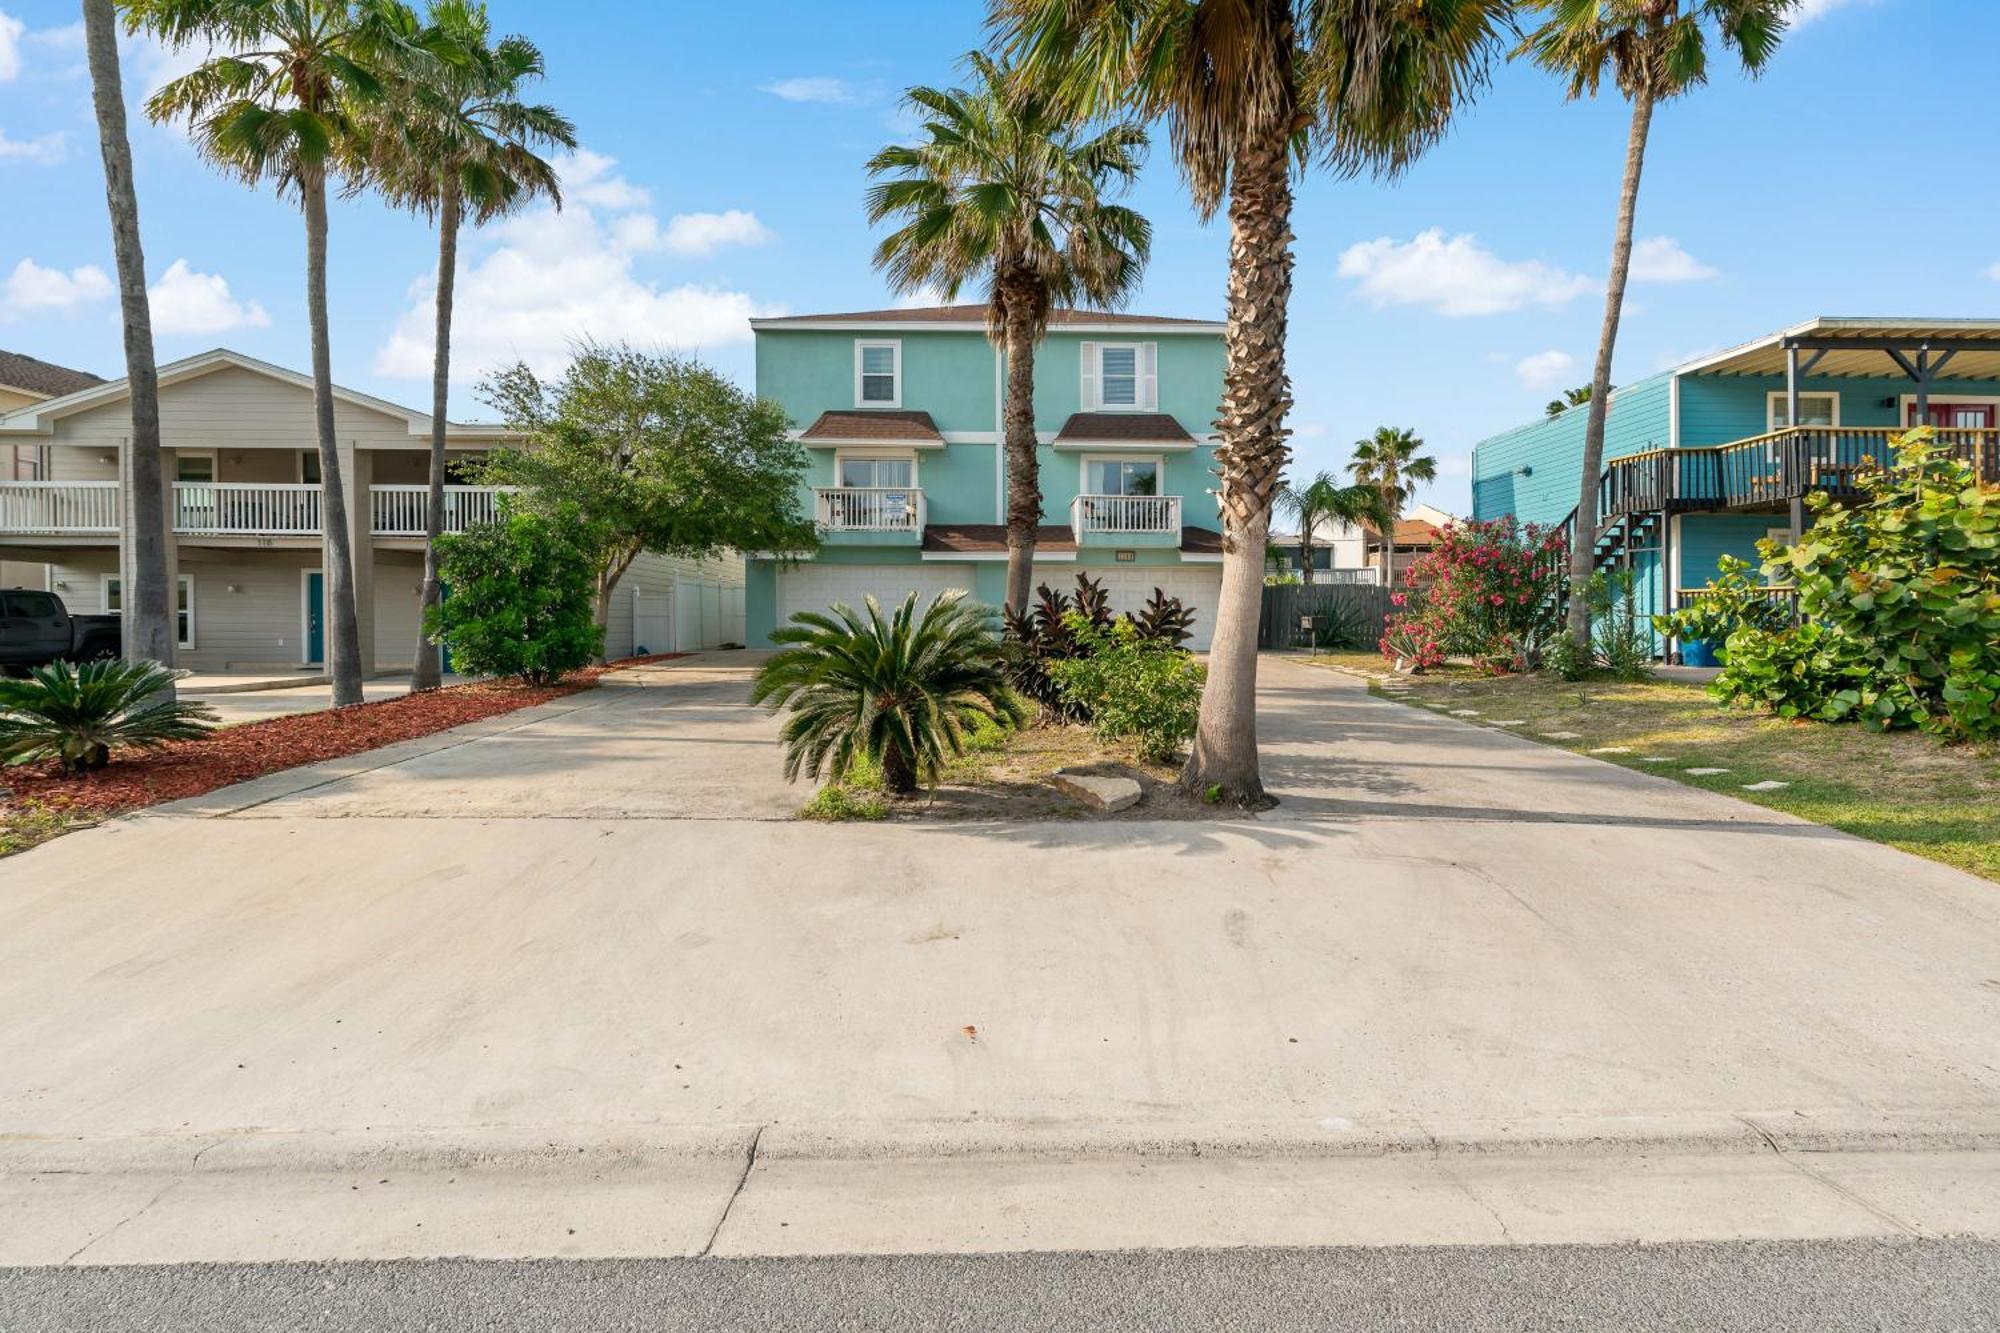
{"points": [[1305, 552], [428, 671], [1583, 550], [1252, 452], [343, 639], [1024, 490], [150, 616]]}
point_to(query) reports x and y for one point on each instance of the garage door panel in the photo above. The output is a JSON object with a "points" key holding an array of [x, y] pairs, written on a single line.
{"points": [[1130, 587], [816, 587]]}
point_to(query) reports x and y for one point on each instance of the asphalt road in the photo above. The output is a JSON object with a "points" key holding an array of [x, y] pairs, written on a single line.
{"points": [[1771, 1287]]}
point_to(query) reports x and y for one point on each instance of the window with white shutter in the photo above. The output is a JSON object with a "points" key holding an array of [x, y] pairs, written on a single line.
{"points": [[1118, 375], [1089, 398]]}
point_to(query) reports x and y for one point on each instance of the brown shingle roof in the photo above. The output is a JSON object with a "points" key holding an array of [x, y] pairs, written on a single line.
{"points": [[976, 314], [1201, 541], [875, 424], [1411, 532], [32, 376], [1122, 427]]}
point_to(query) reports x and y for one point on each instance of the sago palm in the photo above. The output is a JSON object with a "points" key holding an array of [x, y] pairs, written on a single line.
{"points": [[454, 142], [1391, 462], [79, 714], [900, 690], [1011, 190], [1249, 88], [1652, 50], [277, 104]]}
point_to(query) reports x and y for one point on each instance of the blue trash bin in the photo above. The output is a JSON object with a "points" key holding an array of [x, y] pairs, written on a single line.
{"points": [[1694, 653]]}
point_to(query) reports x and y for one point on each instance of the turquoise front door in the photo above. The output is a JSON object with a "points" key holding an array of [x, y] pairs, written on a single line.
{"points": [[315, 617]]}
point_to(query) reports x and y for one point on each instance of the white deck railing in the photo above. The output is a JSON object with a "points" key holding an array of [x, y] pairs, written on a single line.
{"points": [[400, 511], [59, 508], [869, 508], [246, 509], [1125, 514]]}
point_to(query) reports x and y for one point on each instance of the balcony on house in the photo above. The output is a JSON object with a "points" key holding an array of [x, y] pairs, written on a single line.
{"points": [[869, 515], [231, 509], [1126, 520]]}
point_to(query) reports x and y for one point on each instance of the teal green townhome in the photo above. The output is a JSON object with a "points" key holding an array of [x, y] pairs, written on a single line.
{"points": [[1707, 458], [900, 415]]}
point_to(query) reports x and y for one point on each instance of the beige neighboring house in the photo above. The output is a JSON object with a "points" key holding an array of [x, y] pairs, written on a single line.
{"points": [[244, 500], [25, 381], [1352, 552]]}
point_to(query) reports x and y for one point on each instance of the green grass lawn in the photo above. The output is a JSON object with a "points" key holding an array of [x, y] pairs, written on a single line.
{"points": [[1904, 789]]}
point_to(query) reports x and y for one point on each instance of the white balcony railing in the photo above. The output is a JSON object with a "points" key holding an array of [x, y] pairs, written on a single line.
{"points": [[59, 508], [400, 511], [869, 508], [1125, 514], [246, 509]]}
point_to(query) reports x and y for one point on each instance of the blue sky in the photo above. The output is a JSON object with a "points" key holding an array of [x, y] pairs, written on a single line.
{"points": [[722, 177]]}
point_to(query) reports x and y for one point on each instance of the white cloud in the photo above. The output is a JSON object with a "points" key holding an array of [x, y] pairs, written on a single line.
{"points": [[1661, 259], [41, 150], [184, 301], [1993, 272], [32, 289], [689, 233], [554, 279], [1455, 276], [813, 88], [589, 178], [1545, 370], [11, 32], [1809, 10]]}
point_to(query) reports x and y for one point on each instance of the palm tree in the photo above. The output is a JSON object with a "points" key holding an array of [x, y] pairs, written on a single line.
{"points": [[151, 619], [901, 691], [1653, 50], [1576, 397], [1248, 87], [1316, 503], [1013, 190], [78, 714], [1391, 462], [280, 105], [456, 143]]}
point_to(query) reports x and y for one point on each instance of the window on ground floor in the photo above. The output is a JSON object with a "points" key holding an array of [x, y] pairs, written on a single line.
{"points": [[114, 604]]}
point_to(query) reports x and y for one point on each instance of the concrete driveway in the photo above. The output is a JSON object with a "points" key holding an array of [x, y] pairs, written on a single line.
{"points": [[588, 929]]}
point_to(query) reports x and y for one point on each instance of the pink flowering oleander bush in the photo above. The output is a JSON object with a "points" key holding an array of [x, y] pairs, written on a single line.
{"points": [[1489, 591]]}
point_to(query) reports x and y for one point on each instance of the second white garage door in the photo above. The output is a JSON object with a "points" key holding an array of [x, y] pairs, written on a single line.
{"points": [[815, 587], [1131, 586]]}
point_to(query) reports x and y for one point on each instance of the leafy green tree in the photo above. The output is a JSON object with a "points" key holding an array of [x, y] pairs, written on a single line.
{"points": [[455, 142], [1248, 88], [899, 692], [1011, 189], [654, 452], [1652, 50], [79, 714], [521, 597], [278, 104], [149, 615], [1392, 463], [1576, 397]]}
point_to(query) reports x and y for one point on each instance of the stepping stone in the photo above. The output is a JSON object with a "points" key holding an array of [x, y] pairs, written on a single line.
{"points": [[1655, 759], [1765, 786], [1560, 735], [1703, 772], [1103, 793], [1510, 721], [1465, 712], [1612, 749]]}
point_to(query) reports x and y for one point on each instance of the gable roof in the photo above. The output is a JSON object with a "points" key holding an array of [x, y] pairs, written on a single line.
{"points": [[39, 418], [865, 425], [1122, 428], [44, 379], [973, 316]]}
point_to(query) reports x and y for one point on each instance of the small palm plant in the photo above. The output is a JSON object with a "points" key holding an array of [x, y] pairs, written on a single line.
{"points": [[79, 713], [900, 691]]}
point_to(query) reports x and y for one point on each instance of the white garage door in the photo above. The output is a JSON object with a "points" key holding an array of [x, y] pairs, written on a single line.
{"points": [[815, 587], [1131, 586]]}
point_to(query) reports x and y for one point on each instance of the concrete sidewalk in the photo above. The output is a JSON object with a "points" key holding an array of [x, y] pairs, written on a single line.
{"points": [[579, 957]]}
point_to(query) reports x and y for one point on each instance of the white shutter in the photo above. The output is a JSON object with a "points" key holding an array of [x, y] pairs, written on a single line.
{"points": [[1149, 376], [1090, 403]]}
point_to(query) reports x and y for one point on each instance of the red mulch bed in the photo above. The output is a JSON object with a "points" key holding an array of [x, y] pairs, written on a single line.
{"points": [[239, 753]]}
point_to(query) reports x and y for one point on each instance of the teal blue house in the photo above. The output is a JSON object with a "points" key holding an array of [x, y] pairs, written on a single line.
{"points": [[900, 414], [1706, 458]]}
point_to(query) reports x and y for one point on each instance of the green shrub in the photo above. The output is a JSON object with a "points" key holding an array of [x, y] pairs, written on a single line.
{"points": [[901, 692], [79, 714], [1564, 660], [522, 598], [1043, 635], [1909, 578], [837, 802], [1801, 671], [1732, 600], [1622, 643], [1129, 685]]}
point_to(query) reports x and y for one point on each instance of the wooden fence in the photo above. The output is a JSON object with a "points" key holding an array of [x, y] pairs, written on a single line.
{"points": [[1343, 615]]}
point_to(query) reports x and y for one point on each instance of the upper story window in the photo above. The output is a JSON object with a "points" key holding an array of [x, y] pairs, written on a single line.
{"points": [[1120, 377], [878, 374], [876, 473], [1815, 409], [1122, 476]]}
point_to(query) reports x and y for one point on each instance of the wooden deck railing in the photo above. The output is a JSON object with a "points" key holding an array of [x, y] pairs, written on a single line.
{"points": [[1772, 469]]}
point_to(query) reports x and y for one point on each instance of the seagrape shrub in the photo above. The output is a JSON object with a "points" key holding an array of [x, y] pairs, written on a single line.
{"points": [[1131, 685], [1490, 591], [1902, 588]]}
